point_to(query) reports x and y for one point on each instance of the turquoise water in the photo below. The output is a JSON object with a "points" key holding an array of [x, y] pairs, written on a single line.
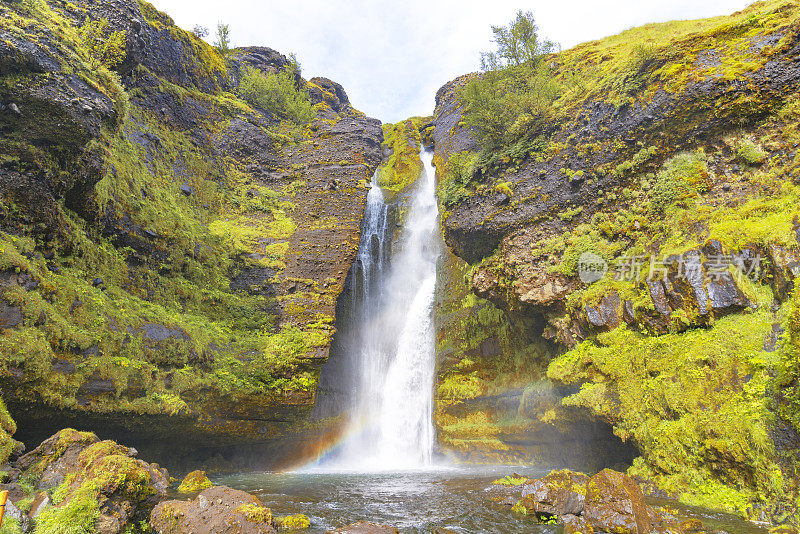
{"points": [[415, 501]]}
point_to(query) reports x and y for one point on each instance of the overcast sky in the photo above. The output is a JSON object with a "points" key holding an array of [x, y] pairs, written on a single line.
{"points": [[392, 56]]}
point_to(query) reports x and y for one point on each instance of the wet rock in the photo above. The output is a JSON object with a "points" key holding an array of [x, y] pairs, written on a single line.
{"points": [[559, 493], [15, 513], [194, 482], [47, 465], [605, 314], [615, 503], [125, 488], [10, 315], [217, 510], [724, 294], [775, 335], [40, 502], [365, 527], [63, 366], [659, 297], [786, 267], [628, 313], [574, 524]]}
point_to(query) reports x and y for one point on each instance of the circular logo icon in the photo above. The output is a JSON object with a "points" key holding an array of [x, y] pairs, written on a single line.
{"points": [[591, 267]]}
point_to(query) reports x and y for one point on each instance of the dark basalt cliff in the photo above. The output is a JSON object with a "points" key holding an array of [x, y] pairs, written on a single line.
{"points": [[686, 155], [171, 255]]}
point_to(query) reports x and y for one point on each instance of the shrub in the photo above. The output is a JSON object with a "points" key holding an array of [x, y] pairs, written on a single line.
{"points": [[457, 177], [750, 152], [513, 100], [107, 48], [277, 93], [681, 178]]}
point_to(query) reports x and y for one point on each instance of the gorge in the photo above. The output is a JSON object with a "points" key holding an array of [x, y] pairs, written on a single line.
{"points": [[225, 267]]}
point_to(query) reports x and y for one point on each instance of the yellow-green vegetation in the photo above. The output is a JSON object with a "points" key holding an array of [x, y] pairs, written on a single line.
{"points": [[514, 104], [479, 355], [292, 522], [696, 404], [7, 429], [277, 93], [257, 513], [403, 167], [194, 482], [456, 177], [138, 293], [77, 516], [703, 396], [105, 46]]}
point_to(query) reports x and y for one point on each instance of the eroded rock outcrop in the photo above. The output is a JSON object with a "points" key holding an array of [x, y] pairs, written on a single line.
{"points": [[170, 250], [671, 176]]}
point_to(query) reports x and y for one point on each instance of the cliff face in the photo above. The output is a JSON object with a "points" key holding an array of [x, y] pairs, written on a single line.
{"points": [[171, 254], [675, 142]]}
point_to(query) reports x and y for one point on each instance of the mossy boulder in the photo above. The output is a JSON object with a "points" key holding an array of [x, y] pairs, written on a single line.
{"points": [[108, 488], [609, 501], [217, 510], [47, 465], [194, 482], [292, 522]]}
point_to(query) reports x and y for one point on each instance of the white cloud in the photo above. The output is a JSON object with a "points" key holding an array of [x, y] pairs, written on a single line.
{"points": [[392, 56]]}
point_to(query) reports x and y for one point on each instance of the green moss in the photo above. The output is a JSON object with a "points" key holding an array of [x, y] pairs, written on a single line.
{"points": [[681, 178], [692, 402], [292, 522], [750, 152], [403, 167], [456, 178], [256, 513], [194, 482], [78, 516]]}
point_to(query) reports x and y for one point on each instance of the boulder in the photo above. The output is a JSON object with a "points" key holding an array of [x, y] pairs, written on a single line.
{"points": [[47, 465], [217, 510], [365, 527], [574, 524], [194, 482], [124, 488], [560, 493], [615, 503], [292, 522]]}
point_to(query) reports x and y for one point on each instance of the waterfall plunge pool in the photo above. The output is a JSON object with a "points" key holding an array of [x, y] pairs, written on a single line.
{"points": [[418, 501]]}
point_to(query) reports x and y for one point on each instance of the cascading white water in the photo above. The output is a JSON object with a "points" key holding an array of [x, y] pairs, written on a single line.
{"points": [[391, 342]]}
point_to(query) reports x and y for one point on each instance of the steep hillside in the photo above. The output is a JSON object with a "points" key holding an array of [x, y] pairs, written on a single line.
{"points": [[171, 246], [668, 152]]}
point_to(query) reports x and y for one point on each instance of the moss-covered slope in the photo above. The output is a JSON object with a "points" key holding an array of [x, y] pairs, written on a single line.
{"points": [[170, 255], [674, 142]]}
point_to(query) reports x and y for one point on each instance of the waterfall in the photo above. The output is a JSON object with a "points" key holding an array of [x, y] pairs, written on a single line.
{"points": [[389, 339]]}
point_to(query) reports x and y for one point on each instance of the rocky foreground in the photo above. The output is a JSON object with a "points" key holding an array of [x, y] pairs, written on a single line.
{"points": [[73, 478]]}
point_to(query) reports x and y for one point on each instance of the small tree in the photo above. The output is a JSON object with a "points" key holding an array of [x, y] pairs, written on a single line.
{"points": [[223, 42], [517, 44], [278, 93], [201, 32]]}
